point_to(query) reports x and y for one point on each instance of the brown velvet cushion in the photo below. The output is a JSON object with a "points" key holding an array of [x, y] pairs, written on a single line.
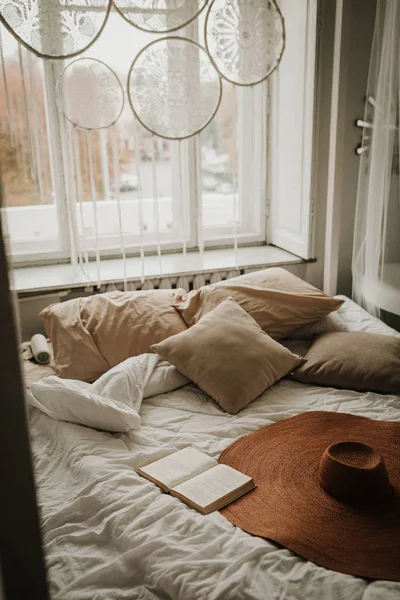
{"points": [[229, 356], [354, 361], [279, 301], [91, 335]]}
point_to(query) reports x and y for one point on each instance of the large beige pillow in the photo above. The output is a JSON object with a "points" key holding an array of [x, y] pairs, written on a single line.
{"points": [[229, 356], [279, 301], [91, 335], [75, 353], [364, 362]]}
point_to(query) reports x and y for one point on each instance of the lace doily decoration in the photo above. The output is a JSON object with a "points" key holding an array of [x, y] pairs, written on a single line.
{"points": [[89, 94], [245, 39], [55, 28], [173, 88], [160, 16]]}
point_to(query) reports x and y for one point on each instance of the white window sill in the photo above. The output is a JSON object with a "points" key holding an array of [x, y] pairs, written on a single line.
{"points": [[59, 277]]}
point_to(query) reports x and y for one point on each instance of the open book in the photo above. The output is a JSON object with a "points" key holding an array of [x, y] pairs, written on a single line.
{"points": [[197, 479]]}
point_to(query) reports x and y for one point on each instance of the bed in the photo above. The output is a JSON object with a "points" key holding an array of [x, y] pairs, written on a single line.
{"points": [[109, 534]]}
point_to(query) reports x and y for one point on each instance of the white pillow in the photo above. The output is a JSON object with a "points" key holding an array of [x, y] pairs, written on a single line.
{"points": [[77, 402], [113, 402]]}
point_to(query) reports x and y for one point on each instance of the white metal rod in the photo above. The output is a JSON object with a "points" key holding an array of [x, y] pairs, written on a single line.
{"points": [[156, 214], [140, 197], [79, 196], [94, 201], [364, 124], [336, 143], [362, 149], [118, 197]]}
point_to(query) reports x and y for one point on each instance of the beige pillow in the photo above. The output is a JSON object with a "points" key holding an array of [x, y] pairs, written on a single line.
{"points": [[75, 353], [91, 335], [279, 301], [228, 356], [355, 361]]}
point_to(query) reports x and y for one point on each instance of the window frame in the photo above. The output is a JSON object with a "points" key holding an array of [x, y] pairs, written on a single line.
{"points": [[252, 227]]}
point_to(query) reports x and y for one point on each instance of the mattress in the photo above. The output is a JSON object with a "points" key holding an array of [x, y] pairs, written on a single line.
{"points": [[109, 534]]}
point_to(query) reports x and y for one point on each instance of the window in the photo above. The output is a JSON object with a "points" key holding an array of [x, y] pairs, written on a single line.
{"points": [[43, 216], [25, 159], [164, 186]]}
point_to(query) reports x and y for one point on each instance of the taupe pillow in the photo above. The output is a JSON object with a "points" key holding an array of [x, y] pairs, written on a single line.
{"points": [[364, 362], [279, 301], [228, 356], [90, 335]]}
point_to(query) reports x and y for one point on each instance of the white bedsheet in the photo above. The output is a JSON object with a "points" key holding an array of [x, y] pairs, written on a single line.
{"points": [[110, 535]]}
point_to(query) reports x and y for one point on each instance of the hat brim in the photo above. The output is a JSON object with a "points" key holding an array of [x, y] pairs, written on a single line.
{"points": [[290, 507]]}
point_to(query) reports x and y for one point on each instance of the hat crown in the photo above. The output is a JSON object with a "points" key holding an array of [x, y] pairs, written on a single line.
{"points": [[354, 473]]}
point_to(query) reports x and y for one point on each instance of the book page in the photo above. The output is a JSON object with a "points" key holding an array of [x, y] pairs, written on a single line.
{"points": [[179, 466], [210, 486]]}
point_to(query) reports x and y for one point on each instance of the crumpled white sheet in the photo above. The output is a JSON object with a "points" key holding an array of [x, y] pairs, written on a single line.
{"points": [[113, 402], [111, 535]]}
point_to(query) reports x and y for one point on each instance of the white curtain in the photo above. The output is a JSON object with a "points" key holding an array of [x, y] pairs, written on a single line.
{"points": [[377, 223]]}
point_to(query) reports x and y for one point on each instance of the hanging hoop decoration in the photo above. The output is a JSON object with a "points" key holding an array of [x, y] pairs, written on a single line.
{"points": [[245, 39], [159, 16], [55, 28], [173, 88], [89, 94]]}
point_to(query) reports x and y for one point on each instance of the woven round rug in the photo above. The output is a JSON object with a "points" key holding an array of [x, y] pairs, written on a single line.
{"points": [[291, 507]]}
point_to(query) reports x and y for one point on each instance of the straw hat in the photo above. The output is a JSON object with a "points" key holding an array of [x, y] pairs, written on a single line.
{"points": [[328, 488]]}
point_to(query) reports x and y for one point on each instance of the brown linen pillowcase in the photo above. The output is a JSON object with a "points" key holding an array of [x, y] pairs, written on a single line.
{"points": [[90, 335], [364, 362], [229, 356], [279, 301], [75, 353]]}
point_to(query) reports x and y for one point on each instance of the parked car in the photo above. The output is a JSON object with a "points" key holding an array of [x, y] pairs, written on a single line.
{"points": [[128, 182], [209, 181], [224, 187]]}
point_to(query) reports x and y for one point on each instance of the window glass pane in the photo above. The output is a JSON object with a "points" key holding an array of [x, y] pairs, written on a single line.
{"points": [[145, 164], [28, 192], [135, 188], [156, 181], [218, 170], [234, 160]]}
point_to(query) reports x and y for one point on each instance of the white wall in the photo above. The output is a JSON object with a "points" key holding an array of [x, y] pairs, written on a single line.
{"points": [[325, 38], [360, 31], [359, 18]]}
